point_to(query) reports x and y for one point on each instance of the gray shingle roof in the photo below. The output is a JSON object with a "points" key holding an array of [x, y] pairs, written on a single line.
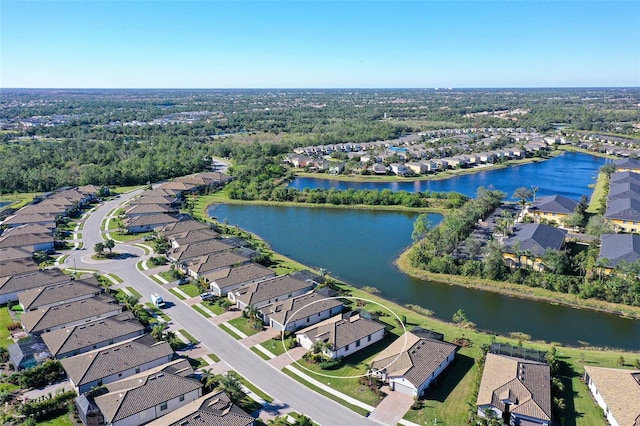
{"points": [[624, 177], [218, 260], [194, 236], [17, 267], [13, 253], [624, 190], [143, 393], [269, 289], [55, 316], [627, 163], [627, 209], [86, 335], [33, 228], [58, 293], [95, 365], [619, 247], [151, 219], [243, 273], [151, 200], [138, 209], [536, 237], [554, 204], [24, 240]]}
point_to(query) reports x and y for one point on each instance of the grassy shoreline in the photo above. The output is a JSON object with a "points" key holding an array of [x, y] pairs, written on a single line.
{"points": [[517, 290]]}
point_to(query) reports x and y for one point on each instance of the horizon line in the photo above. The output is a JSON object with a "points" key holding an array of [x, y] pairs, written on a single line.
{"points": [[443, 88]]}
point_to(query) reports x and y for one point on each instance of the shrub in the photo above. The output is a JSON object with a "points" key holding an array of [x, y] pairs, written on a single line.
{"points": [[331, 364]]}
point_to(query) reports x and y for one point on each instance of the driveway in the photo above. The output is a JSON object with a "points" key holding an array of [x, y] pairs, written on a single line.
{"points": [[392, 408], [281, 387]]}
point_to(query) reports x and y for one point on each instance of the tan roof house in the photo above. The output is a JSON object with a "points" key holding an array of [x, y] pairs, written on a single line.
{"points": [[83, 338], [265, 291], [516, 388], [617, 392], [58, 294], [214, 409], [69, 314], [411, 363], [116, 362], [302, 311], [342, 335]]}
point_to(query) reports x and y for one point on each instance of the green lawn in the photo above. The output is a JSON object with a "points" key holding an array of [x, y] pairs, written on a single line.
{"points": [[62, 420], [258, 352], [5, 320], [243, 324], [227, 330], [186, 334], [125, 189], [176, 294], [8, 387], [358, 410], [144, 247], [274, 346], [153, 277], [140, 264], [157, 311], [201, 311], [598, 193], [168, 275], [214, 307], [191, 289], [116, 278], [134, 292], [214, 357]]}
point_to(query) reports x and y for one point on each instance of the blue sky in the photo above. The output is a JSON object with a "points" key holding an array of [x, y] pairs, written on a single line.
{"points": [[319, 44]]}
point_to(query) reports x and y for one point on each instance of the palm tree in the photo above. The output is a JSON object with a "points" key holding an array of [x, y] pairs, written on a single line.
{"points": [[157, 332], [209, 380], [231, 385], [99, 248], [109, 244]]}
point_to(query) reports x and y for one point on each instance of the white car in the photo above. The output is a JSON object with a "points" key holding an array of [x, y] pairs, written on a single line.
{"points": [[207, 296]]}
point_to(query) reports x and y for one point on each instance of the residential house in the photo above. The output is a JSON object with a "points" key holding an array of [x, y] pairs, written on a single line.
{"points": [[399, 169], [212, 409], [302, 311], [627, 165], [529, 243], [379, 169], [206, 179], [153, 199], [229, 278], [147, 223], [616, 248], [418, 168], [624, 214], [620, 190], [516, 390], [10, 286], [265, 292], [82, 338], [179, 188], [47, 220], [10, 254], [69, 314], [624, 177], [342, 335], [180, 227], [116, 362], [191, 237], [148, 209], [145, 397], [17, 267], [197, 250], [28, 241], [58, 294], [412, 362], [552, 208], [617, 392], [207, 265]]}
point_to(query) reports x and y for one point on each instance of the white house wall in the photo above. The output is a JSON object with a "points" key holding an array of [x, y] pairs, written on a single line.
{"points": [[154, 412], [601, 402], [375, 337]]}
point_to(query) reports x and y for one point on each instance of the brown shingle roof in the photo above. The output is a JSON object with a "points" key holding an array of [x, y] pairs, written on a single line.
{"points": [[13, 253], [620, 391], [143, 393], [343, 332], [21, 219], [151, 219], [265, 290], [17, 283], [153, 199], [189, 251], [95, 365], [139, 209], [528, 382], [55, 316], [195, 236], [57, 293], [214, 409], [32, 228], [24, 240], [86, 335], [182, 226], [217, 260], [302, 306], [17, 267]]}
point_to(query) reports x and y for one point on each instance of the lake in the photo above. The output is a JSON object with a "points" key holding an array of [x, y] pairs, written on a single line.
{"points": [[568, 174], [359, 247]]}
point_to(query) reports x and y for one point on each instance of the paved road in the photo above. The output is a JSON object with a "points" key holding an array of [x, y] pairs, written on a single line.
{"points": [[283, 388]]}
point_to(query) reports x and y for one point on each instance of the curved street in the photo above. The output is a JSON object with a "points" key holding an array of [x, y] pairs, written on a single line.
{"points": [[286, 391]]}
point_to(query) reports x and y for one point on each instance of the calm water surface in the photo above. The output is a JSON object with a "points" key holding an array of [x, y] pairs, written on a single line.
{"points": [[568, 174], [359, 247]]}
